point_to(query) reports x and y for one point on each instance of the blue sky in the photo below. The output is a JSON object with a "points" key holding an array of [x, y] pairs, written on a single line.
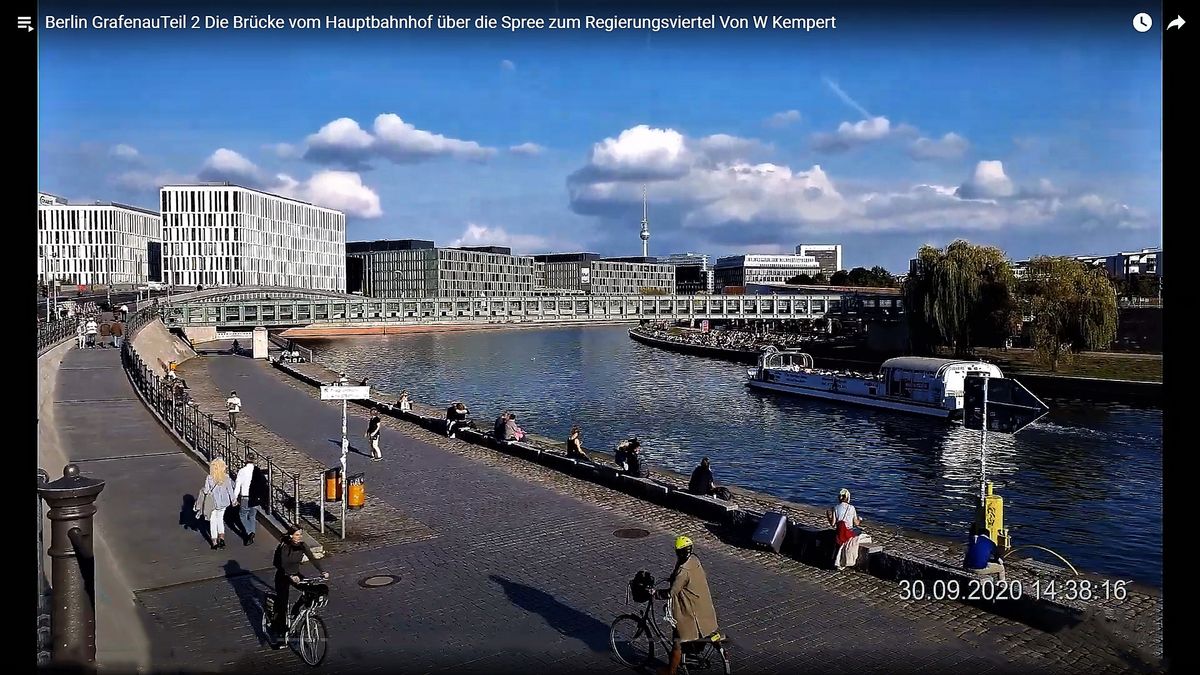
{"points": [[881, 135]]}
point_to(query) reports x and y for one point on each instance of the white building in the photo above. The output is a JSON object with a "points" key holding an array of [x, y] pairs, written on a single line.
{"points": [[220, 234], [591, 274], [97, 243], [828, 255], [416, 269], [740, 270]]}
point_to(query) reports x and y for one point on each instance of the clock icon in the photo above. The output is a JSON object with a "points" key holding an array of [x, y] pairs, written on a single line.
{"points": [[1142, 22]]}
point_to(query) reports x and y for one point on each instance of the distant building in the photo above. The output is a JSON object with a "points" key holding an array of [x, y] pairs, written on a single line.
{"points": [[740, 270], [829, 256], [589, 273], [692, 272], [413, 268], [221, 234], [1119, 266], [97, 243]]}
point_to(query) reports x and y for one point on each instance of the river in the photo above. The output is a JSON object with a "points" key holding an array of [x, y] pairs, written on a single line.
{"points": [[1085, 481]]}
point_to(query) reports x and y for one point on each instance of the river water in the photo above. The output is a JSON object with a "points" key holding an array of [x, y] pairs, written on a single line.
{"points": [[1085, 481]]}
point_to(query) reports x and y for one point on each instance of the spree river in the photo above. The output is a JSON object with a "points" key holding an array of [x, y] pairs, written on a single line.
{"points": [[1085, 481]]}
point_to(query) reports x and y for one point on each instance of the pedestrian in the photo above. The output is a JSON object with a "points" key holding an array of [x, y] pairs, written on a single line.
{"points": [[373, 431], [252, 491], [288, 555], [404, 403], [233, 405], [691, 607], [124, 312], [215, 497], [80, 335], [91, 329], [118, 333]]}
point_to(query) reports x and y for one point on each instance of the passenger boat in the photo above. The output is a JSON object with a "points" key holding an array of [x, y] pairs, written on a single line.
{"points": [[911, 384]]}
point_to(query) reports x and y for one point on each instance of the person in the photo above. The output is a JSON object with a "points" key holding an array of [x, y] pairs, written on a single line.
{"points": [[980, 549], [629, 455], [290, 553], [512, 432], [237, 347], [248, 489], [405, 404], [363, 383], [80, 335], [219, 488], [691, 609], [374, 428], [701, 482], [575, 445], [341, 379], [500, 426], [124, 312], [105, 333], [90, 330], [843, 518], [456, 418], [118, 333], [233, 405]]}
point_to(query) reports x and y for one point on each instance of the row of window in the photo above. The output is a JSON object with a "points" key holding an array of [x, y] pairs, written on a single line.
{"points": [[181, 200], [108, 219]]}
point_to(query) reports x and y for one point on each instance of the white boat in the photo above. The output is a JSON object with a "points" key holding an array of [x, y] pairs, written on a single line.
{"points": [[912, 384]]}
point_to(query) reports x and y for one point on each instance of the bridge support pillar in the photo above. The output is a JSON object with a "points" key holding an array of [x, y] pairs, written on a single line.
{"points": [[260, 342]]}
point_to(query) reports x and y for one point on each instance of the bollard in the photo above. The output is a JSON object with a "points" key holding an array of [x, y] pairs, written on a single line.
{"points": [[72, 502]]}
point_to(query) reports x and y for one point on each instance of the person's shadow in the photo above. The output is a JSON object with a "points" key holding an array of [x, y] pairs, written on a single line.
{"points": [[250, 590], [565, 619], [349, 447]]}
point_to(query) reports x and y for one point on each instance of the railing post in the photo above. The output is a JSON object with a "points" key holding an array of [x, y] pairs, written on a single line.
{"points": [[43, 606], [72, 501], [270, 487], [296, 497]]}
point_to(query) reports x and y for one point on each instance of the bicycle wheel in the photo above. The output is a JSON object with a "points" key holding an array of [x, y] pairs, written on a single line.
{"points": [[631, 640], [313, 640]]}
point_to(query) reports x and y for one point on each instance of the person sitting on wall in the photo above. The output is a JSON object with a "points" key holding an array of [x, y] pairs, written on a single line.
{"points": [[980, 552], [499, 427], [843, 518], [404, 403], [512, 432], [456, 418], [575, 445], [702, 483], [630, 458]]}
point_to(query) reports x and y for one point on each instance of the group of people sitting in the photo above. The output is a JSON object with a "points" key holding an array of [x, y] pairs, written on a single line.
{"points": [[456, 418], [506, 428]]}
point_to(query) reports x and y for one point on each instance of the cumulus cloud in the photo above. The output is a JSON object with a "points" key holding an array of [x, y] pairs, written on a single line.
{"points": [[850, 134], [123, 151], [526, 149], [988, 182], [228, 165], [644, 153], [484, 235], [341, 190], [723, 147], [344, 142], [783, 119], [949, 146], [508, 65], [283, 150]]}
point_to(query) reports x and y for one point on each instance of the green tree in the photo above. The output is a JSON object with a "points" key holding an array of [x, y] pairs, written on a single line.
{"points": [[961, 297], [800, 279], [881, 278], [820, 278], [1073, 307], [843, 278]]}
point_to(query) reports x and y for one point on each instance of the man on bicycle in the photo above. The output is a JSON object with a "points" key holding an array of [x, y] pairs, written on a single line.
{"points": [[692, 611], [288, 556]]}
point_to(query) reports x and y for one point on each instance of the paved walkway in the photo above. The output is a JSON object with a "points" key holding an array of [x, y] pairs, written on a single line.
{"points": [[521, 576]]}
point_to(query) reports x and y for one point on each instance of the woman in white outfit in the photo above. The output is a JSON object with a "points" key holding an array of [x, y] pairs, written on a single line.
{"points": [[217, 495]]}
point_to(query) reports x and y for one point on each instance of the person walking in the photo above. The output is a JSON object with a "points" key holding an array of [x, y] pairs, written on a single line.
{"points": [[248, 498], [118, 333], [216, 496], [233, 405], [90, 330], [124, 312], [374, 428]]}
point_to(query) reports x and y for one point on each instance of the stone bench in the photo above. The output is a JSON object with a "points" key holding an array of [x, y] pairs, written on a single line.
{"points": [[644, 487], [709, 508]]}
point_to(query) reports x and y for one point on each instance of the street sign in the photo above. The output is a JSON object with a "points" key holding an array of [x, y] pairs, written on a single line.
{"points": [[704, 326], [1010, 406], [344, 393]]}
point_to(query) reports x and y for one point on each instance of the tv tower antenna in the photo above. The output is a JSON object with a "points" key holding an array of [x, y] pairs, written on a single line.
{"points": [[645, 223]]}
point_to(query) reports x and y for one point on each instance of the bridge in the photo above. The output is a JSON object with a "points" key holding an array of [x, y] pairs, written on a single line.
{"points": [[241, 307]]}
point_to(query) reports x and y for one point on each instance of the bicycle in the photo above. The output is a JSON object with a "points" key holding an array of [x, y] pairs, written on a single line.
{"points": [[633, 637], [308, 629]]}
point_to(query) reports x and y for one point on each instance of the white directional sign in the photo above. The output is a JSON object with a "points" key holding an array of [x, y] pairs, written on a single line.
{"points": [[344, 393]]}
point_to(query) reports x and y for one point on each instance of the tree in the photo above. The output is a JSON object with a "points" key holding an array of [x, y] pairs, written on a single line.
{"points": [[842, 278], [1073, 307], [802, 279], [820, 278], [881, 278], [961, 296]]}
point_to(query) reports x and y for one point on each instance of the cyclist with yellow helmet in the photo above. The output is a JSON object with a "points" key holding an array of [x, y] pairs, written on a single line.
{"points": [[692, 611]]}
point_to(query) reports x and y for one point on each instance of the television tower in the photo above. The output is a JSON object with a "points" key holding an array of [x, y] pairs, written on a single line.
{"points": [[645, 223]]}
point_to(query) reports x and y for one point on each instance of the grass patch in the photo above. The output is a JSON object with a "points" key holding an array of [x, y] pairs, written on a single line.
{"points": [[1108, 366]]}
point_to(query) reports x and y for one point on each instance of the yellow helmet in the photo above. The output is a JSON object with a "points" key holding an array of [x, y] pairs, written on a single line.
{"points": [[682, 542]]}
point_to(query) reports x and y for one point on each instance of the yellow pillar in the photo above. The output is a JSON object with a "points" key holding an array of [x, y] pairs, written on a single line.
{"points": [[993, 519]]}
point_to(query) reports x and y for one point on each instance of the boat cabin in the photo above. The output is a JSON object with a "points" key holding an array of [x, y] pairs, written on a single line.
{"points": [[930, 380], [788, 359]]}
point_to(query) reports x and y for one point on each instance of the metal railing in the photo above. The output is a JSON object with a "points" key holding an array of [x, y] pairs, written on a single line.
{"points": [[43, 605], [51, 334], [201, 431]]}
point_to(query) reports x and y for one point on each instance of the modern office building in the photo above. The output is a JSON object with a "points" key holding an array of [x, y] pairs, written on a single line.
{"points": [[1118, 266], [221, 234], [97, 243], [829, 256], [693, 274], [409, 268], [589, 273], [738, 271]]}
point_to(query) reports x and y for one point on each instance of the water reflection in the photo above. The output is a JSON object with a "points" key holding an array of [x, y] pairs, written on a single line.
{"points": [[1086, 481]]}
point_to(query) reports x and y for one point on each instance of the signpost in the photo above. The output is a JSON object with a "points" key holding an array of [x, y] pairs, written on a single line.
{"points": [[1005, 404], [343, 393]]}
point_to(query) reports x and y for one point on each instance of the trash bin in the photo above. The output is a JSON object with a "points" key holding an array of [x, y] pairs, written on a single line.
{"points": [[333, 484], [357, 495]]}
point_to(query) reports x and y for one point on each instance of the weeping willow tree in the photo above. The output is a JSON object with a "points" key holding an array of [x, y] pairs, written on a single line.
{"points": [[1073, 307], [961, 297]]}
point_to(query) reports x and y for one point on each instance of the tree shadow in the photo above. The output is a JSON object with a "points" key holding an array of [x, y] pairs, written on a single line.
{"points": [[250, 590], [565, 619]]}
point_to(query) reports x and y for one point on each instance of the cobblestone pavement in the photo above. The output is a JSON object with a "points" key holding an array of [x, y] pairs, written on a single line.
{"points": [[525, 575]]}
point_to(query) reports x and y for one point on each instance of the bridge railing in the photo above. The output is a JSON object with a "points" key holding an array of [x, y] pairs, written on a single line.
{"points": [[205, 435], [51, 334]]}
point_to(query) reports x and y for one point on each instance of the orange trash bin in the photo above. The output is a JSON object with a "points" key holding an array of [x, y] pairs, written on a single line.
{"points": [[333, 484], [357, 495]]}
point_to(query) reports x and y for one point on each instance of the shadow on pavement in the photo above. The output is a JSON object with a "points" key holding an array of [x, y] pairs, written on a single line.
{"points": [[249, 589], [565, 619]]}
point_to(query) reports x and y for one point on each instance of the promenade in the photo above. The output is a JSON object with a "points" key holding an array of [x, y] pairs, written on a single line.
{"points": [[515, 569]]}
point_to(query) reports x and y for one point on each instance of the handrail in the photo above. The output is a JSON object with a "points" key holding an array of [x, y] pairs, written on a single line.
{"points": [[1042, 548]]}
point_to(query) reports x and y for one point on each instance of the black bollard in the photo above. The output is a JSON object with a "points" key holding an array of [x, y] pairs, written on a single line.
{"points": [[72, 503]]}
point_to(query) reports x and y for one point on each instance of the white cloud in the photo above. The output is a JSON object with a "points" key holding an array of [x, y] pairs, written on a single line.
{"points": [[228, 165], [783, 119], [949, 146], [341, 190], [642, 152], [283, 150], [484, 235], [508, 65], [988, 182], [850, 134], [723, 147], [527, 149], [123, 151], [343, 141]]}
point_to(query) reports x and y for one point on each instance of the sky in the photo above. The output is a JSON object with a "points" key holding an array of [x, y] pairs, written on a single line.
{"points": [[1037, 135]]}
